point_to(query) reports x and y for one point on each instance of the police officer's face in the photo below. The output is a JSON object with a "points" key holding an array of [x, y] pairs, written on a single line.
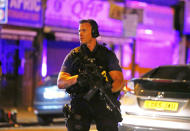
{"points": [[85, 34]]}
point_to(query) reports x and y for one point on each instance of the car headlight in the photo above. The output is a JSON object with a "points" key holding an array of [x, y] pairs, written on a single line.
{"points": [[53, 93]]}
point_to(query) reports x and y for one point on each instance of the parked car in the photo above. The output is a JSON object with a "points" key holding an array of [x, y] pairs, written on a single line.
{"points": [[50, 100], [159, 100]]}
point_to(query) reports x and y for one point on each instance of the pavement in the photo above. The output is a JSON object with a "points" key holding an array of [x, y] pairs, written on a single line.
{"points": [[24, 114]]}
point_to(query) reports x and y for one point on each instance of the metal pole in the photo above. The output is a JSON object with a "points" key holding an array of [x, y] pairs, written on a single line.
{"points": [[133, 59]]}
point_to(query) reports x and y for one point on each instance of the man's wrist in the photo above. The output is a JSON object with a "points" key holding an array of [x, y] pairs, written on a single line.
{"points": [[75, 78]]}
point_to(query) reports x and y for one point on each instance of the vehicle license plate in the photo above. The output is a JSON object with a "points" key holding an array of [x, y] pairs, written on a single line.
{"points": [[161, 105]]}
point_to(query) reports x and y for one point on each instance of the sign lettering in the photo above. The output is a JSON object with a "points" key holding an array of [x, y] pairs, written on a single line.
{"points": [[67, 14], [25, 13], [89, 9], [28, 5]]}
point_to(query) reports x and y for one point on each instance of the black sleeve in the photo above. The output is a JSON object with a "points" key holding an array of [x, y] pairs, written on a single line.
{"points": [[113, 62], [66, 66]]}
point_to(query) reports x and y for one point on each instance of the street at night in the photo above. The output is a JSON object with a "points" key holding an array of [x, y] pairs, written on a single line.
{"points": [[27, 120], [114, 65]]}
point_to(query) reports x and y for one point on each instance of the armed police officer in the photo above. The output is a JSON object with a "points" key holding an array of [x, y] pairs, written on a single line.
{"points": [[88, 67]]}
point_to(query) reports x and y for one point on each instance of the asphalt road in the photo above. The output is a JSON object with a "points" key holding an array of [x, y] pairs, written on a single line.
{"points": [[36, 127]]}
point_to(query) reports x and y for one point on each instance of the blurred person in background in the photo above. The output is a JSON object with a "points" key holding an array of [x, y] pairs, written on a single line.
{"points": [[77, 84]]}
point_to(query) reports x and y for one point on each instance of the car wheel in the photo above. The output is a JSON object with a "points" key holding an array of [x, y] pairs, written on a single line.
{"points": [[44, 119]]}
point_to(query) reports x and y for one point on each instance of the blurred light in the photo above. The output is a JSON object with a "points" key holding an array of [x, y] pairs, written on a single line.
{"points": [[53, 93], [126, 60], [52, 107], [131, 85], [125, 88], [123, 109], [127, 52], [136, 4], [44, 69], [159, 2], [128, 73], [44, 59], [148, 32]]}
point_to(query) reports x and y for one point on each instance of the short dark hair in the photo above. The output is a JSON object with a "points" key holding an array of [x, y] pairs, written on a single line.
{"points": [[94, 25]]}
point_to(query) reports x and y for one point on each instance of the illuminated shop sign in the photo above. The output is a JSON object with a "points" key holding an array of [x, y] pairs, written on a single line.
{"points": [[25, 13], [3, 11], [67, 13]]}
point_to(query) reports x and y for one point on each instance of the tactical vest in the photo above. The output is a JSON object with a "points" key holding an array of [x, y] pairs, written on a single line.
{"points": [[80, 56]]}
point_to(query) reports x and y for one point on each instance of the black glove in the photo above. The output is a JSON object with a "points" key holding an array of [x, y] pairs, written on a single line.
{"points": [[83, 80]]}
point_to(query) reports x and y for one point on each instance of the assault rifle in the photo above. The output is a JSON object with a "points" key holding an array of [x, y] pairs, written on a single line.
{"points": [[99, 83]]}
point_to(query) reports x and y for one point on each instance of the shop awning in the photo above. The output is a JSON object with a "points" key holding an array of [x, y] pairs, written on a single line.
{"points": [[16, 34]]}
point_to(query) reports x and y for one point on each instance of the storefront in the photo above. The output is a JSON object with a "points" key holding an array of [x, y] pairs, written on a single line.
{"points": [[17, 42], [31, 50], [156, 41]]}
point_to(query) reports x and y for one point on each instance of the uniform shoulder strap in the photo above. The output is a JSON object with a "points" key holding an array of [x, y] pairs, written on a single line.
{"points": [[75, 50]]}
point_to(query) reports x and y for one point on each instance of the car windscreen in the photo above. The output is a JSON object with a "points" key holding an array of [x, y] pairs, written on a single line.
{"points": [[170, 72]]}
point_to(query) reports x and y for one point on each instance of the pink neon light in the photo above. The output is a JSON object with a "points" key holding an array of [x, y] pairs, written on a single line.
{"points": [[44, 69], [44, 59]]}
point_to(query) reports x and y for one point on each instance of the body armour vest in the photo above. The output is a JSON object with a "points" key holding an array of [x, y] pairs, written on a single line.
{"points": [[83, 56]]}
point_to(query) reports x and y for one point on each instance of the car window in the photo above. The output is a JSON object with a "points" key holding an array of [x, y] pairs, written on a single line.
{"points": [[170, 72]]}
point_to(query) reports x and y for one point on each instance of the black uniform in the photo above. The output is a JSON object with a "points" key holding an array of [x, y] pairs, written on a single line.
{"points": [[83, 112]]}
